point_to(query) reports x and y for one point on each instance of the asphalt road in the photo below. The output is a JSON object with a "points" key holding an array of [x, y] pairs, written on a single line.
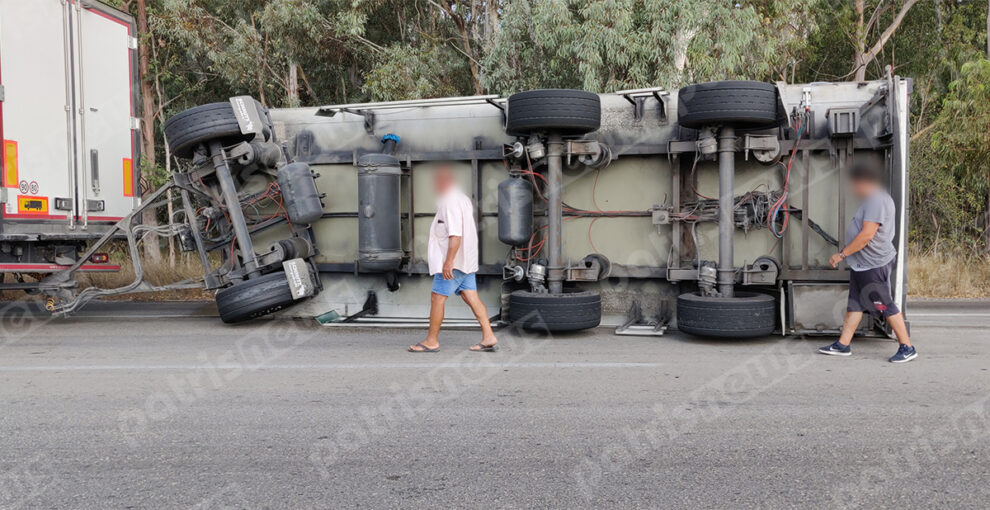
{"points": [[145, 412]]}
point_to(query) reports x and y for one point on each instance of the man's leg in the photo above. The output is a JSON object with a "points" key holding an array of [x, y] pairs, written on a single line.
{"points": [[841, 346], [432, 341], [905, 352], [437, 302], [481, 313], [883, 301], [849, 327], [900, 328], [854, 315]]}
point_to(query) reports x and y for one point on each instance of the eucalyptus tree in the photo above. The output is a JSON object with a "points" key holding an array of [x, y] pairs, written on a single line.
{"points": [[614, 44]]}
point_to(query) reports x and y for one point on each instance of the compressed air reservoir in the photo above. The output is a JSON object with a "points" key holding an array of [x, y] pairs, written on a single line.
{"points": [[302, 200], [515, 211], [379, 215]]}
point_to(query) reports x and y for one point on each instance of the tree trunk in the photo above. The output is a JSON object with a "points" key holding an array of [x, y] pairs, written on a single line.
{"points": [[864, 56], [986, 226], [461, 22], [860, 42], [682, 41], [292, 85], [171, 210], [152, 249], [475, 72]]}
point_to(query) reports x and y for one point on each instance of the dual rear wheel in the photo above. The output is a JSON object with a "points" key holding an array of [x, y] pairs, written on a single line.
{"points": [[739, 104], [216, 122], [567, 113]]}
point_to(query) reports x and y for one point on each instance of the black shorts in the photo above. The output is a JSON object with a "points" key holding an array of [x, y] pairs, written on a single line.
{"points": [[869, 291]]}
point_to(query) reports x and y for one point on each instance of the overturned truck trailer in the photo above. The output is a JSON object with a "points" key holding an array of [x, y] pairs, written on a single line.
{"points": [[714, 208]]}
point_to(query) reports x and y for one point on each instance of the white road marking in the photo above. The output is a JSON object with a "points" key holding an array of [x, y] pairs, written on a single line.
{"points": [[984, 315], [324, 366]]}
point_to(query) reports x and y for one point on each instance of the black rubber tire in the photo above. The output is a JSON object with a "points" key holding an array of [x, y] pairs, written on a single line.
{"points": [[742, 104], [570, 311], [562, 111], [204, 123], [746, 315], [254, 298]]}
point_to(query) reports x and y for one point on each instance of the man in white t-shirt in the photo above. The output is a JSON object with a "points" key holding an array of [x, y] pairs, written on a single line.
{"points": [[453, 259]]}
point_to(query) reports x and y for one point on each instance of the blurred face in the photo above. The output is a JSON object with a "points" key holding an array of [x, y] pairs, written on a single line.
{"points": [[862, 188], [443, 179]]}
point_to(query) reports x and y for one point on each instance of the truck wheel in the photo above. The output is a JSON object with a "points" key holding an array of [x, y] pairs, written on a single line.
{"points": [[206, 123], [254, 298], [570, 311], [567, 112], [743, 104], [746, 315]]}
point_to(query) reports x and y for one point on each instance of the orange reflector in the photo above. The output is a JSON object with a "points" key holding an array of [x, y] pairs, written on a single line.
{"points": [[100, 258], [9, 164], [128, 178]]}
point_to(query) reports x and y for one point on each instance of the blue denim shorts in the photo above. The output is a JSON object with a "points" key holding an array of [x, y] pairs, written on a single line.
{"points": [[460, 281]]}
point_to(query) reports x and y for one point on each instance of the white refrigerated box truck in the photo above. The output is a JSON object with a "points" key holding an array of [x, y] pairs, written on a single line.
{"points": [[69, 131]]}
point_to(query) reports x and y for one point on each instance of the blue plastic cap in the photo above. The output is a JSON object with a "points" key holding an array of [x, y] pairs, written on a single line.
{"points": [[391, 136]]}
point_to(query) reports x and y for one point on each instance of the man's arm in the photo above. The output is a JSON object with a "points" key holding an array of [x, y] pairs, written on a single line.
{"points": [[454, 244], [455, 229], [858, 243]]}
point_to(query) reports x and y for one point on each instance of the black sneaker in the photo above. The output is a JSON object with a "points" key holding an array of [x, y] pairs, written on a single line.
{"points": [[836, 349], [904, 354]]}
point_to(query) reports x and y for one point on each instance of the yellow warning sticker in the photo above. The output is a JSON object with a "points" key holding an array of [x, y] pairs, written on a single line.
{"points": [[32, 205]]}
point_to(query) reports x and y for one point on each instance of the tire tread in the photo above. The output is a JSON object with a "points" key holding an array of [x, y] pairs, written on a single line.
{"points": [[746, 316], [254, 298], [572, 311], [569, 112], [744, 104]]}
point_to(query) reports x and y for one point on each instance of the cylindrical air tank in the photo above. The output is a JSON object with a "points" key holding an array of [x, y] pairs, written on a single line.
{"points": [[379, 215], [515, 211]]}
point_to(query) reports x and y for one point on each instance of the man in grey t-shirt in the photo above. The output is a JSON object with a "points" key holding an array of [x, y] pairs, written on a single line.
{"points": [[879, 251], [870, 253]]}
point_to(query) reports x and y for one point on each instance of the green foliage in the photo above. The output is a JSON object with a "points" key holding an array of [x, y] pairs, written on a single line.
{"points": [[247, 45], [152, 175], [403, 71], [615, 44], [951, 167]]}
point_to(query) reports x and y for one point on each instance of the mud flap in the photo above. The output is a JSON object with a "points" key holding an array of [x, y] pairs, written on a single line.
{"points": [[300, 277]]}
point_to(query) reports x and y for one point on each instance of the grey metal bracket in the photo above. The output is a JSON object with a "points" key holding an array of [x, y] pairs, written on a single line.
{"points": [[638, 97], [681, 274], [765, 148], [639, 106], [593, 268], [494, 103], [763, 271], [369, 116], [589, 153], [637, 325], [370, 308], [880, 95], [663, 107]]}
